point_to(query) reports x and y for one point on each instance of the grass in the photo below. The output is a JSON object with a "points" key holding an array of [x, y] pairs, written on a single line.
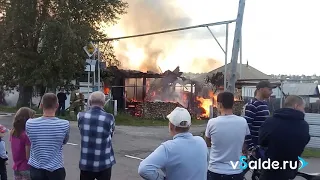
{"points": [[121, 118], [311, 153], [8, 109]]}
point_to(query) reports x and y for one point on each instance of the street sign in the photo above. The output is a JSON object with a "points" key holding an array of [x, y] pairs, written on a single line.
{"points": [[90, 65], [90, 49]]}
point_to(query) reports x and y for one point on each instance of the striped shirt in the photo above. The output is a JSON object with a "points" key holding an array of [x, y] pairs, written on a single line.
{"points": [[47, 135], [256, 112]]}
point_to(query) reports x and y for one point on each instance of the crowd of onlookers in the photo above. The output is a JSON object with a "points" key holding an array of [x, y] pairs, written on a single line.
{"points": [[37, 143], [280, 137]]}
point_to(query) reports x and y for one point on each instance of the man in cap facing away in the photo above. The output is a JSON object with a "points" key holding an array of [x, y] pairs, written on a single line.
{"points": [[182, 158]]}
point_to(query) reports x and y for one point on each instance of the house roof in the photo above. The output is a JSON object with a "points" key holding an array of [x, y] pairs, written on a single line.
{"points": [[248, 72], [301, 89]]}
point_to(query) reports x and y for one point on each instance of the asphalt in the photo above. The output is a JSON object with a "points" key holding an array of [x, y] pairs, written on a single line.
{"points": [[128, 141]]}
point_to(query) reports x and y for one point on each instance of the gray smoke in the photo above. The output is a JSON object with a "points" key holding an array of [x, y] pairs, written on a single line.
{"points": [[154, 15]]}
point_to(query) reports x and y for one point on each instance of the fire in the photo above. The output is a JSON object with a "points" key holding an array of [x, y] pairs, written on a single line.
{"points": [[206, 103], [211, 101], [106, 90]]}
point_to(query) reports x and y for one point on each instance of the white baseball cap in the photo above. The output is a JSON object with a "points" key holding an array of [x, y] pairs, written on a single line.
{"points": [[180, 117]]}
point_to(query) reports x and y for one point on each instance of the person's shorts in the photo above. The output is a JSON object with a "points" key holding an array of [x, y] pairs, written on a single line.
{"points": [[22, 175]]}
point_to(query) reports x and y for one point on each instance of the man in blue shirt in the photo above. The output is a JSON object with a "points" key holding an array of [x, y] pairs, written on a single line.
{"points": [[183, 158], [96, 129]]}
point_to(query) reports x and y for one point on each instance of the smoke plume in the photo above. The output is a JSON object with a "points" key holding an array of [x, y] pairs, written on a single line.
{"points": [[147, 52]]}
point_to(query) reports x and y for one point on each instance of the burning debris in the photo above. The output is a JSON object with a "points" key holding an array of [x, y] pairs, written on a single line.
{"points": [[165, 89], [154, 95]]}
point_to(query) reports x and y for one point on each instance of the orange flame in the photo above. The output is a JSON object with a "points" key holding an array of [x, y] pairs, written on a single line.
{"points": [[206, 103], [106, 90]]}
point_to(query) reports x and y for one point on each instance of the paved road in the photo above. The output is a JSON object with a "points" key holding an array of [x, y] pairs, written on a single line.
{"points": [[133, 141]]}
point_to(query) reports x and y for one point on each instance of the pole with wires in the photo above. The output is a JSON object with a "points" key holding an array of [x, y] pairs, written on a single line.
{"points": [[236, 47]]}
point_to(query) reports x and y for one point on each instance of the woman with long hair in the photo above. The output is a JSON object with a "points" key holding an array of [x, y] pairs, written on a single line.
{"points": [[20, 144]]}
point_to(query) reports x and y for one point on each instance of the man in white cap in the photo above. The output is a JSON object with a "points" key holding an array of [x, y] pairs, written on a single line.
{"points": [[183, 158]]}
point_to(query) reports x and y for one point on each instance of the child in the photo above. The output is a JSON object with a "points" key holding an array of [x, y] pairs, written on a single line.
{"points": [[20, 144], [3, 154]]}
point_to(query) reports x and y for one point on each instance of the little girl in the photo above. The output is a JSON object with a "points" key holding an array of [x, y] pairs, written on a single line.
{"points": [[20, 144]]}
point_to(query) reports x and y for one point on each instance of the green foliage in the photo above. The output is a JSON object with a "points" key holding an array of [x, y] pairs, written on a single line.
{"points": [[41, 41], [311, 153]]}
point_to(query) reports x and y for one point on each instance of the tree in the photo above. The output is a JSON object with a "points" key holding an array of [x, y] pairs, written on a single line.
{"points": [[41, 40], [217, 80]]}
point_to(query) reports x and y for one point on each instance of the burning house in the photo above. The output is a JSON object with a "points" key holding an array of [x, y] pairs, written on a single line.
{"points": [[154, 95]]}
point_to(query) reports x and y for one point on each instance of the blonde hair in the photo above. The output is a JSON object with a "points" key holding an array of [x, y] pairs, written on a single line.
{"points": [[293, 100]]}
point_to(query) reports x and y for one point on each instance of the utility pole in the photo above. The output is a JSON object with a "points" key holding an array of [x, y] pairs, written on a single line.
{"points": [[236, 46], [99, 59]]}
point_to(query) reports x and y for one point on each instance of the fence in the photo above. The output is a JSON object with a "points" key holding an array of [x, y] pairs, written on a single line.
{"points": [[314, 129]]}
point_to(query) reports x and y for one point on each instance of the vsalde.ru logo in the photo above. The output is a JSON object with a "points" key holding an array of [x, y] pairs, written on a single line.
{"points": [[268, 164]]}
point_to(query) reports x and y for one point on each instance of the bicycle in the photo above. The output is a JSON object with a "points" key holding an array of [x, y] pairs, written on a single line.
{"points": [[251, 157]]}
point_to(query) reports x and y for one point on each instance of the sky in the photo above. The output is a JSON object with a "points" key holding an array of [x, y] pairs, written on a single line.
{"points": [[279, 36]]}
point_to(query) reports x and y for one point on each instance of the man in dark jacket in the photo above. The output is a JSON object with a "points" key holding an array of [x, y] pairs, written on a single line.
{"points": [[285, 136], [62, 97]]}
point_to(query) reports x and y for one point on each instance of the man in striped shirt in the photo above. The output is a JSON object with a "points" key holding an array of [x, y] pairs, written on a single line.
{"points": [[47, 135], [256, 112]]}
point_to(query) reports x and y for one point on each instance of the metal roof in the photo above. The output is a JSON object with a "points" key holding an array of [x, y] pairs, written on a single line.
{"points": [[248, 72], [301, 89]]}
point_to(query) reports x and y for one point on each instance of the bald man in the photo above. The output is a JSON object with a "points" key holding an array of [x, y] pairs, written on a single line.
{"points": [[285, 135]]}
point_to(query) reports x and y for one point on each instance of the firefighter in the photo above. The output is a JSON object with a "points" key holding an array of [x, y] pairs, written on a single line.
{"points": [[76, 102]]}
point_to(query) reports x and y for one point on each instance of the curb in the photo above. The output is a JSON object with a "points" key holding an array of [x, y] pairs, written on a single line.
{"points": [[2, 114]]}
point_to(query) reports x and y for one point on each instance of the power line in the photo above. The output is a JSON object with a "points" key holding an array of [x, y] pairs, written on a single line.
{"points": [[165, 31]]}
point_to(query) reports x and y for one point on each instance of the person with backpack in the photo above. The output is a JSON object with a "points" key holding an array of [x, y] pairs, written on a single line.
{"points": [[256, 112]]}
